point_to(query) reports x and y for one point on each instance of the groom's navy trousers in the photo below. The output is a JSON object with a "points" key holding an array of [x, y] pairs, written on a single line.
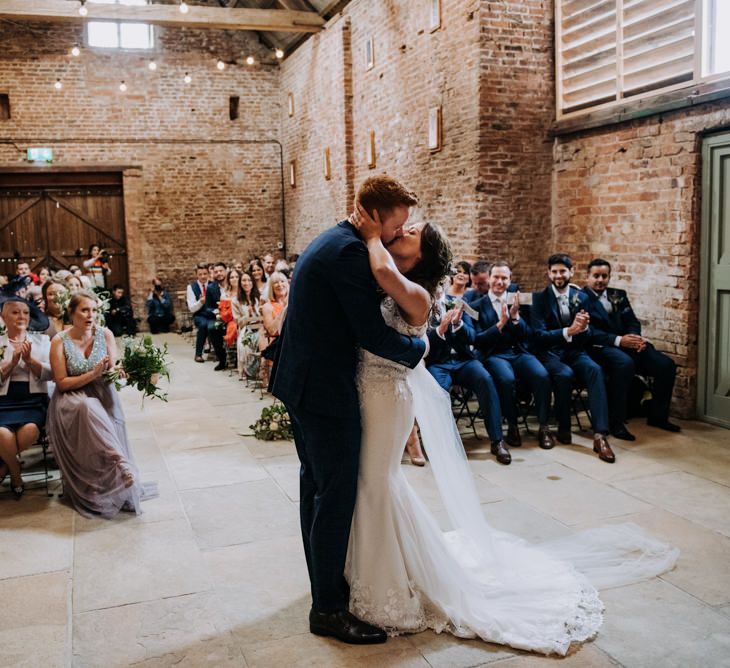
{"points": [[334, 307]]}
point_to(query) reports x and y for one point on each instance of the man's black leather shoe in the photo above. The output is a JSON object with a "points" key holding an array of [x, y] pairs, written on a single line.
{"points": [[345, 627], [666, 425], [565, 436], [622, 434], [513, 438]]}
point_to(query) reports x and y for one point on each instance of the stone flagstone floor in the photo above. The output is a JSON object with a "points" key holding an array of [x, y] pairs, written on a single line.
{"points": [[213, 573]]}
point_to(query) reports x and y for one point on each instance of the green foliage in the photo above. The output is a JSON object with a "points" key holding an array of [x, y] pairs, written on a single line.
{"points": [[274, 424], [143, 363]]}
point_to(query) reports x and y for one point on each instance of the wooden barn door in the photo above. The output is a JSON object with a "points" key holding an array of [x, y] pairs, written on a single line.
{"points": [[52, 219]]}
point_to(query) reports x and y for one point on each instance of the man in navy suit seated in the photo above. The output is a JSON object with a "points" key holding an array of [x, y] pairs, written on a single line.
{"points": [[451, 360], [501, 336], [561, 334], [626, 352], [212, 297]]}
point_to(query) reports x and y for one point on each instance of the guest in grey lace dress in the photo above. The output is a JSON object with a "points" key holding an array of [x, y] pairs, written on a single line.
{"points": [[85, 419]]}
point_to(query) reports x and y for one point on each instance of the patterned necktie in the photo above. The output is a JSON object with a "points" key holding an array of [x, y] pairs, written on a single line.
{"points": [[606, 303], [564, 309]]}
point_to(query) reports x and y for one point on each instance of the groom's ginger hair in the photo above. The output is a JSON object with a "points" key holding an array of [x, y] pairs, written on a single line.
{"points": [[384, 193]]}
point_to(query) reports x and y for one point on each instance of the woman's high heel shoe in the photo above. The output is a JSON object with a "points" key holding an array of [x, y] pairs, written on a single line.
{"points": [[17, 489]]}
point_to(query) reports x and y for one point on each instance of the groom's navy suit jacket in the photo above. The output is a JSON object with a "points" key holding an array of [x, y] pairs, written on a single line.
{"points": [[334, 307]]}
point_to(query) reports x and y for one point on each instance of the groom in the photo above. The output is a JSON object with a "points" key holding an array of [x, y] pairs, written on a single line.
{"points": [[334, 308]]}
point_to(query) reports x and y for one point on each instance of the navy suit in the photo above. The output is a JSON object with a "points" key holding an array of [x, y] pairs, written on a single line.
{"points": [[504, 353], [564, 360], [621, 363], [215, 333], [451, 360], [334, 307]]}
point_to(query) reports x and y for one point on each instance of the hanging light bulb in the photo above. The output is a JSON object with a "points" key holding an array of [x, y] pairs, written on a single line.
{"points": [[187, 78], [82, 10], [152, 65], [184, 7], [75, 51], [220, 65], [250, 60], [123, 87], [279, 54], [58, 85]]}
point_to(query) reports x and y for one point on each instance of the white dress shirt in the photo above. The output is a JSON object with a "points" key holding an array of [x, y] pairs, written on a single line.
{"points": [[193, 304]]}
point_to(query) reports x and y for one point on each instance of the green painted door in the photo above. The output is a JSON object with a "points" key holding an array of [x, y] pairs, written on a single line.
{"points": [[714, 369]]}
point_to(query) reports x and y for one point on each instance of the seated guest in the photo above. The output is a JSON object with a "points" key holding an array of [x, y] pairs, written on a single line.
{"points": [[269, 264], [561, 335], [73, 283], [214, 291], [625, 352], [24, 372], [451, 361], [24, 270], [85, 419], [225, 307], [479, 279], [44, 275], [53, 292], [247, 313], [159, 308], [257, 273], [460, 283], [195, 297], [84, 280], [273, 313], [120, 319], [502, 337]]}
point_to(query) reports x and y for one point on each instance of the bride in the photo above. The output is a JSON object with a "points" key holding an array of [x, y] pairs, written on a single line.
{"points": [[405, 574]]}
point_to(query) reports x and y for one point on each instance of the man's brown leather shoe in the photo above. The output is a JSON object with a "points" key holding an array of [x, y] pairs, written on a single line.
{"points": [[545, 439], [603, 449], [565, 436], [500, 450], [513, 438]]}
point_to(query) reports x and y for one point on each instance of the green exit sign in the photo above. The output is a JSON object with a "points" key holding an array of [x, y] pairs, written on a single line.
{"points": [[40, 155]]}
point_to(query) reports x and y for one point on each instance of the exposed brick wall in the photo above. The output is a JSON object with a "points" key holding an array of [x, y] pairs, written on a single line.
{"points": [[414, 70], [205, 187], [630, 193], [517, 101]]}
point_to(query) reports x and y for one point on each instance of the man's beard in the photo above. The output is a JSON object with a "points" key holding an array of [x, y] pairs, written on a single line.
{"points": [[559, 283]]}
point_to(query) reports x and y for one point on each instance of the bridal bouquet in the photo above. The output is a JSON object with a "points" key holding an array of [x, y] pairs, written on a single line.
{"points": [[274, 424], [143, 363]]}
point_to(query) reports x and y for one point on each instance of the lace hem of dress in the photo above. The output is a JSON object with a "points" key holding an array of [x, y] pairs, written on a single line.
{"points": [[409, 612]]}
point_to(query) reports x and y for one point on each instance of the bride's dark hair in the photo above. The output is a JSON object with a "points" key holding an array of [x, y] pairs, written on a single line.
{"points": [[435, 261]]}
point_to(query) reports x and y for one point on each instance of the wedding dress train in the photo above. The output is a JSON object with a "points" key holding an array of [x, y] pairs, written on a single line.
{"points": [[406, 575]]}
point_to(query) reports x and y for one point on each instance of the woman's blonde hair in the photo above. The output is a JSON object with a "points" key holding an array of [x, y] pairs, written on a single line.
{"points": [[274, 278], [78, 296]]}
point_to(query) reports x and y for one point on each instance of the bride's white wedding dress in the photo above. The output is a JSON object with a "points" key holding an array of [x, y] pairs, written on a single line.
{"points": [[406, 575]]}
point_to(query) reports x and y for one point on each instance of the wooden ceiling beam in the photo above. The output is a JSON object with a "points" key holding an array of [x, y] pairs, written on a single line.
{"points": [[214, 18]]}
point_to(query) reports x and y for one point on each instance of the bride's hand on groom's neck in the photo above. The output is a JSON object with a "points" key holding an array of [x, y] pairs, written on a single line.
{"points": [[369, 227]]}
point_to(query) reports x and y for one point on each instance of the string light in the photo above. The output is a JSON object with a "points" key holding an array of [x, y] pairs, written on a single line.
{"points": [[184, 7], [152, 65], [187, 78], [58, 85], [220, 65], [82, 10], [75, 51], [250, 60], [123, 87], [279, 54]]}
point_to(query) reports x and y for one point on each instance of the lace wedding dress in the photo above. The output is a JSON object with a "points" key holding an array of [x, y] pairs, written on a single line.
{"points": [[406, 575]]}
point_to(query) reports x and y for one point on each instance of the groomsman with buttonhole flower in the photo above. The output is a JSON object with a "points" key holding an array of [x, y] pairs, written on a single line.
{"points": [[625, 352]]}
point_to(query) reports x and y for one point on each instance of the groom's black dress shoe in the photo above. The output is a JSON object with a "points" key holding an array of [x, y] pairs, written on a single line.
{"points": [[345, 627], [665, 424]]}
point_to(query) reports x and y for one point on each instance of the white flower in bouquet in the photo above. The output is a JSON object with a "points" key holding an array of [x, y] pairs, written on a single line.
{"points": [[274, 426]]}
